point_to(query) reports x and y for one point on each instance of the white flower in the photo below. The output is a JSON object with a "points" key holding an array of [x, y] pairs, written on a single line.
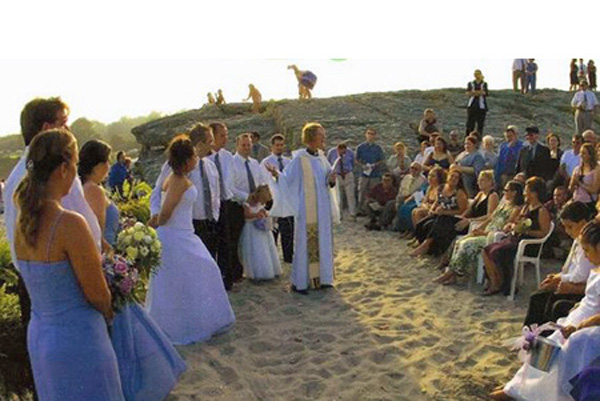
{"points": [[148, 239], [138, 226], [138, 236], [144, 251]]}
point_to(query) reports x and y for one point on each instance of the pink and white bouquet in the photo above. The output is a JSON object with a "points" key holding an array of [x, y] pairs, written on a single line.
{"points": [[122, 278], [141, 246]]}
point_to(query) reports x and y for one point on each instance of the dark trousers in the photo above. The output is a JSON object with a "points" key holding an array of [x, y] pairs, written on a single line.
{"points": [[286, 229], [208, 231], [231, 222], [546, 306], [475, 117]]}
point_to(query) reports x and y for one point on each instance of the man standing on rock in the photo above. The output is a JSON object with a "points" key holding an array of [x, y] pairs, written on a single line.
{"points": [[306, 185], [584, 102], [370, 157]]}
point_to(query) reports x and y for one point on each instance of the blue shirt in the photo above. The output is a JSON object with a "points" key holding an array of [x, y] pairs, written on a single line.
{"points": [[370, 153], [347, 160], [118, 174], [507, 159]]}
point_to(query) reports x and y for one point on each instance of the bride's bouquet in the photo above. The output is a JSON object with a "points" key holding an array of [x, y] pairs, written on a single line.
{"points": [[522, 226], [122, 278], [141, 246]]}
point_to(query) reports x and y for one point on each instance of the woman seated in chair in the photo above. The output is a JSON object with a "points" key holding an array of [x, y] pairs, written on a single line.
{"points": [[436, 232], [410, 213], [533, 221], [467, 249]]}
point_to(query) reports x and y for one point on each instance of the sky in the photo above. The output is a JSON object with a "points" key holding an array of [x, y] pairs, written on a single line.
{"points": [[112, 59]]}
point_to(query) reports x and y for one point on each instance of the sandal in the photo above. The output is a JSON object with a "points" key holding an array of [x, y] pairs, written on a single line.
{"points": [[489, 292]]}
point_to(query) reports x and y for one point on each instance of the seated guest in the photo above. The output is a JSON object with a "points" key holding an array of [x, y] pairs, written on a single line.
{"points": [[423, 153], [410, 183], [399, 163], [483, 206], [569, 160], [71, 354], [506, 166], [381, 197], [428, 125], [553, 142], [559, 237], [417, 205], [585, 182], [454, 145], [589, 136], [439, 157], [569, 284], [468, 249], [578, 339], [520, 177], [436, 232], [470, 163], [532, 221], [488, 153], [534, 158]]}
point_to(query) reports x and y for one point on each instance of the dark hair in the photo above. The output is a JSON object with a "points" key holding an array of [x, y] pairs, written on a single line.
{"points": [[476, 134], [591, 233], [92, 153], [575, 212], [47, 152], [473, 139], [36, 113], [255, 134], [440, 138], [119, 154], [180, 150], [217, 125], [578, 137], [460, 185], [387, 175], [440, 174], [518, 188], [537, 185], [552, 135], [199, 133], [592, 152], [277, 137]]}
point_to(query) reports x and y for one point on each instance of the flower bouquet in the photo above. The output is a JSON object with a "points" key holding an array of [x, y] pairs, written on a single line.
{"points": [[522, 226], [122, 278], [535, 350], [140, 245]]}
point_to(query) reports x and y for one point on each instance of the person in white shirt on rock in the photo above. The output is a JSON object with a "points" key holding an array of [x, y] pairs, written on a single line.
{"points": [[285, 225], [584, 102], [205, 178]]}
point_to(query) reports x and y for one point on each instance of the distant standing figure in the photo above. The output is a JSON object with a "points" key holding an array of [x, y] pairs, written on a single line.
{"points": [[477, 107], [211, 98], [259, 151], [118, 173], [581, 70], [518, 74], [306, 81], [428, 125], [573, 79], [256, 98], [592, 75], [220, 97], [371, 159], [584, 101], [531, 75]]}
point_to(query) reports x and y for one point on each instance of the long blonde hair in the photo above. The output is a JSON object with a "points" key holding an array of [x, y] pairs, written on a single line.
{"points": [[47, 152]]}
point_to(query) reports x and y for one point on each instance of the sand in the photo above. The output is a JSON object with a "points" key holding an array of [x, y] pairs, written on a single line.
{"points": [[385, 332]]}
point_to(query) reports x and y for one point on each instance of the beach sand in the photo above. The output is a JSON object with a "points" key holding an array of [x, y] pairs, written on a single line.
{"points": [[385, 332]]}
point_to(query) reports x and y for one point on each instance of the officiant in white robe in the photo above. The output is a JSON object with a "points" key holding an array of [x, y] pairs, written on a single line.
{"points": [[304, 189]]}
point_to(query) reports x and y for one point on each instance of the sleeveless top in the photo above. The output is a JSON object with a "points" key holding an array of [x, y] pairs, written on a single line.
{"points": [[480, 208], [448, 202], [534, 216], [444, 163], [181, 218], [581, 194], [112, 225]]}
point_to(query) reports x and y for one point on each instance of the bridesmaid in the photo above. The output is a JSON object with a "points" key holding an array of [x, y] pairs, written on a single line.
{"points": [[70, 350], [148, 364]]}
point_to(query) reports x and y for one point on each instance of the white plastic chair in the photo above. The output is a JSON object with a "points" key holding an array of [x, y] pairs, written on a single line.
{"points": [[521, 260]]}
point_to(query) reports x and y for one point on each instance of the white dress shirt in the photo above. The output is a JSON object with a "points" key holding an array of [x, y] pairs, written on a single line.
{"points": [[74, 201], [226, 161], [198, 208], [577, 267], [241, 186], [584, 99], [272, 159]]}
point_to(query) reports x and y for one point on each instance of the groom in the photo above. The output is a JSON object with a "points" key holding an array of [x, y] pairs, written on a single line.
{"points": [[306, 184]]}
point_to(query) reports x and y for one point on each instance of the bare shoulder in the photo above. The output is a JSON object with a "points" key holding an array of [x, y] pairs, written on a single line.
{"points": [[73, 223]]}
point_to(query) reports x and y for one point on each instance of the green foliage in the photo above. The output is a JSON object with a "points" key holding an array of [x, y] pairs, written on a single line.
{"points": [[134, 202]]}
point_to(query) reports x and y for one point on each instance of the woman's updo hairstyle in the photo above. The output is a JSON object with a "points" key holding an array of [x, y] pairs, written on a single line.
{"points": [[591, 233], [92, 153], [47, 151], [575, 212], [180, 150]]}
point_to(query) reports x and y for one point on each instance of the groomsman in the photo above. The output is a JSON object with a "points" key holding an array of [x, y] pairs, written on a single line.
{"points": [[285, 225], [206, 179], [228, 236]]}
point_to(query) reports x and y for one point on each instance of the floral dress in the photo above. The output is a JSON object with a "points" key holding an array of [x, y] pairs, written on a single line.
{"points": [[467, 250]]}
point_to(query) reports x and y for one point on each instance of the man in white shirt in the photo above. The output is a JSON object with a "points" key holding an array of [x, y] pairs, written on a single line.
{"points": [[584, 102], [571, 158], [205, 177], [228, 230], [518, 74], [285, 225]]}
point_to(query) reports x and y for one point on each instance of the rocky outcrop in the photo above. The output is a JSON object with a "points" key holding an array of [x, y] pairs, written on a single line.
{"points": [[394, 114]]}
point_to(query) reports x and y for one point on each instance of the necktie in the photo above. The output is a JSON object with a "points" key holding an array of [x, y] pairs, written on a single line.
{"points": [[221, 184], [342, 172], [251, 183], [280, 161], [207, 194], [533, 152]]}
